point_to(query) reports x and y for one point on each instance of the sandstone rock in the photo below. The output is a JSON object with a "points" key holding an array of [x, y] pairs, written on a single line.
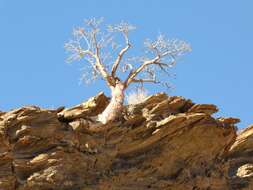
{"points": [[150, 101], [203, 108], [244, 142], [1, 113], [240, 161], [162, 143], [245, 170], [159, 106], [92, 107], [79, 125], [229, 120]]}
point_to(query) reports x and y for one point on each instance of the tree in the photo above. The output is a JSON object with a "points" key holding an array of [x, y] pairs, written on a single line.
{"points": [[98, 45]]}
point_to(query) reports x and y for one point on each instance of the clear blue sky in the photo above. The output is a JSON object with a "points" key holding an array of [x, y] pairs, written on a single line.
{"points": [[218, 70]]}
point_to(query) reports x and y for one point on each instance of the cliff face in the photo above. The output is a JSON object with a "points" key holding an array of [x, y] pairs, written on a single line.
{"points": [[162, 143]]}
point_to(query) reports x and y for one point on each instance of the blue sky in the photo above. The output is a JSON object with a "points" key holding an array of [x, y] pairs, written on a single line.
{"points": [[217, 71]]}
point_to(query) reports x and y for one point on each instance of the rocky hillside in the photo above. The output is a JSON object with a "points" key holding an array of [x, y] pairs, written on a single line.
{"points": [[163, 143]]}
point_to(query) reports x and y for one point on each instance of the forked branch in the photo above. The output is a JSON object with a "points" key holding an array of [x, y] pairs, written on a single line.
{"points": [[120, 55], [135, 72], [85, 45], [96, 46], [124, 29], [164, 53]]}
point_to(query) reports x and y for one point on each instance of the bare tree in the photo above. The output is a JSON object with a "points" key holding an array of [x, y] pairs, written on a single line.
{"points": [[99, 46]]}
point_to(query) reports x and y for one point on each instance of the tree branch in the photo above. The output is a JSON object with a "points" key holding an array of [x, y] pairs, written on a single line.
{"points": [[120, 55], [154, 61], [91, 43], [135, 72], [110, 80], [144, 80]]}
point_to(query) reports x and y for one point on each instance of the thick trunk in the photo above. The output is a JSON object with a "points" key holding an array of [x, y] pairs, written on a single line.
{"points": [[114, 109]]}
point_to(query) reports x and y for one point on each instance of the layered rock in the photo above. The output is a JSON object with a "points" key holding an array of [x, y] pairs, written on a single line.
{"points": [[161, 143], [240, 161]]}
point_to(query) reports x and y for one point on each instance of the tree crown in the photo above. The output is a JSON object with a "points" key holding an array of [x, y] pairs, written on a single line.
{"points": [[100, 47]]}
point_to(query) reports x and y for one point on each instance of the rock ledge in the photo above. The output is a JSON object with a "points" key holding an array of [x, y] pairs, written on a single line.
{"points": [[162, 143]]}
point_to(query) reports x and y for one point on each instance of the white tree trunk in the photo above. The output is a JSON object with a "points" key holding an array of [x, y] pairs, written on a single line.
{"points": [[114, 109]]}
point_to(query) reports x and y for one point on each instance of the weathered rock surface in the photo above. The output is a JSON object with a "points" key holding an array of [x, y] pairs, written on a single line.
{"points": [[240, 161], [92, 107], [163, 143]]}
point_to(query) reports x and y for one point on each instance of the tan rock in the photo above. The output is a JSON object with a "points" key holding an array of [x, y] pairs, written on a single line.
{"points": [[162, 143], [244, 142], [92, 107], [245, 170], [229, 120], [240, 162], [203, 108], [79, 125]]}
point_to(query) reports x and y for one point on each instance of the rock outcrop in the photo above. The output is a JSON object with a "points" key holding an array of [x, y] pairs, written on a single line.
{"points": [[162, 143]]}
